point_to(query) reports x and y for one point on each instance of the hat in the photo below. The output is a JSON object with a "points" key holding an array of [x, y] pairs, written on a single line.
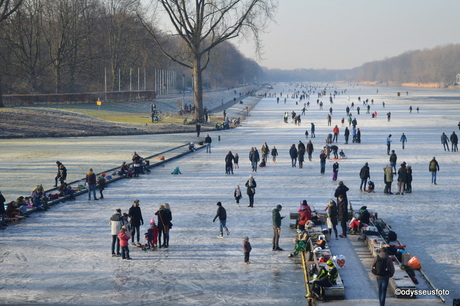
{"points": [[246, 238], [152, 220], [229, 152], [330, 263], [90, 169], [279, 206], [403, 163]]}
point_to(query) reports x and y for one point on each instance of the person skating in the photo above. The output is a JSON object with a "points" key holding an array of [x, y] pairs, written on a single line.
{"points": [[312, 130], [251, 189], [274, 154], [254, 157], [332, 217], [101, 184], [237, 194], [364, 175], [124, 242], [300, 153], [91, 182], [229, 158], [402, 177], [322, 160], [309, 149], [115, 225], [403, 140], [393, 159], [454, 141], [346, 134], [208, 141], [246, 249], [445, 141], [384, 275], [342, 207], [388, 176], [276, 220], [335, 171], [388, 144], [433, 168], [293, 153], [222, 215], [136, 220]]}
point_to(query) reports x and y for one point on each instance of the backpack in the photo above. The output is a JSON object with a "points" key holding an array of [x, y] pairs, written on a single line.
{"points": [[380, 268], [392, 236], [432, 165]]}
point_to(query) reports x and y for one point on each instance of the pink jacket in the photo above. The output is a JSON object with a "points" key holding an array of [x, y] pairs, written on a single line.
{"points": [[124, 239]]}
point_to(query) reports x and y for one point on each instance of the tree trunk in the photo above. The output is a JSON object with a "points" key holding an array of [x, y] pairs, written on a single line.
{"points": [[1, 92], [198, 89]]}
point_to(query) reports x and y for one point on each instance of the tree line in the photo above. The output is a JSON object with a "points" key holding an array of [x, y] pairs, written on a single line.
{"points": [[437, 65], [68, 46]]}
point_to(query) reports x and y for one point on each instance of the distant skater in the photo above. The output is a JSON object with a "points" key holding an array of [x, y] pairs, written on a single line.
{"points": [[246, 249], [237, 194], [222, 215], [403, 140]]}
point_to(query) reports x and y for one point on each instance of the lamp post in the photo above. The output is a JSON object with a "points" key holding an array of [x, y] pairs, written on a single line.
{"points": [[183, 90]]}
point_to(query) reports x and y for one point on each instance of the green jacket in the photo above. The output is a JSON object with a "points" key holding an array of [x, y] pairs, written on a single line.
{"points": [[276, 217]]}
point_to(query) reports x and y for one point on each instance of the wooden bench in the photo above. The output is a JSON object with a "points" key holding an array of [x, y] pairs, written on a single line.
{"points": [[337, 291], [400, 279]]}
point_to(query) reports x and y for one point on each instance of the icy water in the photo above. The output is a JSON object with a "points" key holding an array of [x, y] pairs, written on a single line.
{"points": [[62, 256]]}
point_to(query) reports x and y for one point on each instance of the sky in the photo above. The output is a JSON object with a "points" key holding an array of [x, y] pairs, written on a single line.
{"points": [[338, 34]]}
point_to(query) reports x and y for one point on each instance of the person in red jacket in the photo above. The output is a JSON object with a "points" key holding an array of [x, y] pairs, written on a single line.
{"points": [[305, 215], [335, 130], [124, 242]]}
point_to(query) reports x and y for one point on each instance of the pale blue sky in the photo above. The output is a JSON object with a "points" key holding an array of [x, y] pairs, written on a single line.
{"points": [[348, 33]]}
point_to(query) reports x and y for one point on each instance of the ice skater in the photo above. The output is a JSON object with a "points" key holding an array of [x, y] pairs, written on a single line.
{"points": [[124, 242], [246, 249], [222, 215]]}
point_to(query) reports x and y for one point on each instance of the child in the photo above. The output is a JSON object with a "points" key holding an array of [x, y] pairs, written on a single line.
{"points": [[101, 184], [236, 158], [335, 171], [246, 249], [176, 171], [237, 194], [152, 235], [124, 242], [342, 154], [300, 245]]}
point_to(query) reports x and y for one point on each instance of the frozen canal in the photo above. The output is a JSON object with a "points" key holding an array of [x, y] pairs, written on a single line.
{"points": [[62, 256]]}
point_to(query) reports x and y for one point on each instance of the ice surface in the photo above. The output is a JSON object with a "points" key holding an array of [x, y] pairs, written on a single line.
{"points": [[62, 256]]}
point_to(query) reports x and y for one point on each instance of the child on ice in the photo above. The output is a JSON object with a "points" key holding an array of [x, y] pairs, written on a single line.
{"points": [[152, 235], [124, 242], [246, 249], [176, 171], [237, 194]]}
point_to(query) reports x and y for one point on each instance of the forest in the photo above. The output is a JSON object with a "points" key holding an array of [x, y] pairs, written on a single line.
{"points": [[438, 65], [72, 46], [77, 46]]}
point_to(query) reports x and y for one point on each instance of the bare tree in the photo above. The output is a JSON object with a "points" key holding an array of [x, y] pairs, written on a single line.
{"points": [[204, 24], [7, 8]]}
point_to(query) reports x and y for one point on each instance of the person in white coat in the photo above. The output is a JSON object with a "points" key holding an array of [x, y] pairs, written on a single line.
{"points": [[115, 224]]}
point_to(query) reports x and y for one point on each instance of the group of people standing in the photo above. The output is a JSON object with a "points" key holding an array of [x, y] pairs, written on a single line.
{"points": [[126, 226]]}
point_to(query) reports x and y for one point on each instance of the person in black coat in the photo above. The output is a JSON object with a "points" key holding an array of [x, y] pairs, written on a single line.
{"points": [[364, 174], [251, 190], [164, 224], [254, 157], [293, 154], [341, 190], [136, 220], [343, 215], [229, 163], [222, 215]]}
